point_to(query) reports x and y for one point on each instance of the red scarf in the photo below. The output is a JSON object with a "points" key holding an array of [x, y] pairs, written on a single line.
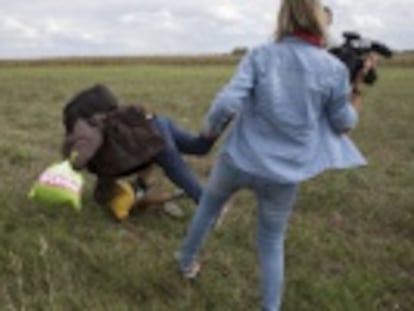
{"points": [[308, 37]]}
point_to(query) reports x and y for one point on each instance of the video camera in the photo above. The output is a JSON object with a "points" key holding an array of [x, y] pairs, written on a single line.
{"points": [[353, 51]]}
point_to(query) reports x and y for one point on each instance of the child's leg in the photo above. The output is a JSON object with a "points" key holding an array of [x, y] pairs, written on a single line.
{"points": [[105, 190], [117, 195], [186, 142], [155, 199]]}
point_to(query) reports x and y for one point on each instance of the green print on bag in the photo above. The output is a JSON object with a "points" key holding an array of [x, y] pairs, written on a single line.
{"points": [[58, 185]]}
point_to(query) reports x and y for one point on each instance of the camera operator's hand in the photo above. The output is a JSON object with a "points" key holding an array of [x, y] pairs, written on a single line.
{"points": [[369, 64]]}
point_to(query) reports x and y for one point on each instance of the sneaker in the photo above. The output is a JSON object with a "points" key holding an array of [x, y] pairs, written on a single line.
{"points": [[173, 210], [192, 272], [179, 194]]}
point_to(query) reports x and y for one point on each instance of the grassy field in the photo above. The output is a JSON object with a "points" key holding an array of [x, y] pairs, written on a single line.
{"points": [[350, 245]]}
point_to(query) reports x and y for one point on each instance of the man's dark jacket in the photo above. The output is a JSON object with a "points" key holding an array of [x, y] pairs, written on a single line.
{"points": [[113, 144]]}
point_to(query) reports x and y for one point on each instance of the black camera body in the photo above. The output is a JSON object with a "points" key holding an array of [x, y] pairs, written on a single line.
{"points": [[353, 51]]}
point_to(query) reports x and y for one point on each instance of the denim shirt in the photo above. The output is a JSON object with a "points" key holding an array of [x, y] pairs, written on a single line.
{"points": [[290, 102]]}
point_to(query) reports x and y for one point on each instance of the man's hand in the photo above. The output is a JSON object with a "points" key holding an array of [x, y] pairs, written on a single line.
{"points": [[209, 135]]}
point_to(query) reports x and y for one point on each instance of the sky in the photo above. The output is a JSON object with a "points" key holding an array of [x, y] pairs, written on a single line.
{"points": [[56, 28]]}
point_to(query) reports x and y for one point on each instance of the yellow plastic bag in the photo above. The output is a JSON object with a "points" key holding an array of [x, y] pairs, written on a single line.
{"points": [[123, 202], [58, 185]]}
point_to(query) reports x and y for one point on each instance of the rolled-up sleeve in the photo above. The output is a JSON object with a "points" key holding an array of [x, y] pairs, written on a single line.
{"points": [[341, 114], [230, 99], [84, 142]]}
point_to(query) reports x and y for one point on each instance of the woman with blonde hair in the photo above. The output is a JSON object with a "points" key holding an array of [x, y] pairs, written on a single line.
{"points": [[291, 105]]}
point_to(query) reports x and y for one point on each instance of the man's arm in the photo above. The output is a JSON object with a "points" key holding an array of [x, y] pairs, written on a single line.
{"points": [[82, 144]]}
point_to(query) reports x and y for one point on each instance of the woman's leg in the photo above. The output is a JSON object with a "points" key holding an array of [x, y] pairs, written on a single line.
{"points": [[275, 206], [224, 180]]}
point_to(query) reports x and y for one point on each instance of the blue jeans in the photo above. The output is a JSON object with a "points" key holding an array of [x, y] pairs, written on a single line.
{"points": [[275, 202], [178, 141]]}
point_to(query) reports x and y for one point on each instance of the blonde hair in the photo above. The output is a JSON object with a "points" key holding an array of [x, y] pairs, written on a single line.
{"points": [[301, 15]]}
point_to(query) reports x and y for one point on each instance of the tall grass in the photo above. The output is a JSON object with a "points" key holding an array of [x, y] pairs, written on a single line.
{"points": [[350, 244]]}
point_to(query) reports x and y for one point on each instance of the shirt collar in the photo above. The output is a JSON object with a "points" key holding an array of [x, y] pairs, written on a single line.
{"points": [[308, 37]]}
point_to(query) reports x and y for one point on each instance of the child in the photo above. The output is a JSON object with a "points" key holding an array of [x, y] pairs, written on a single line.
{"points": [[113, 142]]}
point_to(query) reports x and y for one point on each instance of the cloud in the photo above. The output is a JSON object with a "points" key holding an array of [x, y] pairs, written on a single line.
{"points": [[18, 28], [137, 27], [388, 21], [227, 13]]}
